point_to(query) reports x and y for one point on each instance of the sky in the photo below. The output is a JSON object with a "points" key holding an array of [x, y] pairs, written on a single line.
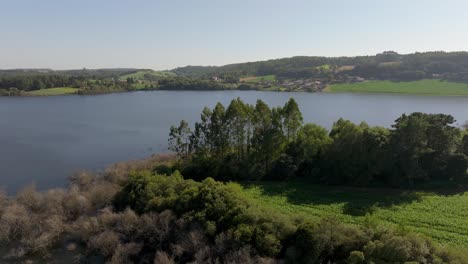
{"points": [[164, 34]]}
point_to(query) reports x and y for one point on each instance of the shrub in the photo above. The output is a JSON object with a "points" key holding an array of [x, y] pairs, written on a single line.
{"points": [[105, 243], [356, 257]]}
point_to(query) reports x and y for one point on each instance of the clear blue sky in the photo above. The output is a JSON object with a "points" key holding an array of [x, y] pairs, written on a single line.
{"points": [[65, 34]]}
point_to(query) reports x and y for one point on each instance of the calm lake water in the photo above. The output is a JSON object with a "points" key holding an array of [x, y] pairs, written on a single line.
{"points": [[44, 139]]}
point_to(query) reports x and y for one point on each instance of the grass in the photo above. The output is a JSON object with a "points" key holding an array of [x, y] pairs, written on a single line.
{"points": [[325, 67], [139, 86], [444, 218], [257, 79], [53, 91], [140, 74], [431, 87]]}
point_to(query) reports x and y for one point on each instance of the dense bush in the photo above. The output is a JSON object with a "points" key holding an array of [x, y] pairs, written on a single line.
{"points": [[220, 211], [167, 219]]}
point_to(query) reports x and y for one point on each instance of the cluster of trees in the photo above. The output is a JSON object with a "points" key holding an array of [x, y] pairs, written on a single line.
{"points": [[185, 83], [256, 142], [28, 82], [105, 86]]}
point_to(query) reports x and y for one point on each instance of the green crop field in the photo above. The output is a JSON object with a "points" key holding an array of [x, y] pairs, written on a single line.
{"points": [[256, 79], [139, 86], [444, 218], [53, 91], [141, 74], [432, 87]]}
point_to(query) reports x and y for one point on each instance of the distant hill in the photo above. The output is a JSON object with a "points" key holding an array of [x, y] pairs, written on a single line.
{"points": [[387, 65], [98, 73]]}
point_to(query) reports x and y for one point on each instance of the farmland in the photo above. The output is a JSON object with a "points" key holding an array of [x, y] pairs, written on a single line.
{"points": [[429, 87], [53, 91], [257, 79], [141, 74], [441, 217]]}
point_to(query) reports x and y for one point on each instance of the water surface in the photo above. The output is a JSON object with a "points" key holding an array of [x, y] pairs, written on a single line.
{"points": [[44, 139]]}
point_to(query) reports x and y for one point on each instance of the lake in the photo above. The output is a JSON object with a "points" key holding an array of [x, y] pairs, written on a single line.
{"points": [[45, 139]]}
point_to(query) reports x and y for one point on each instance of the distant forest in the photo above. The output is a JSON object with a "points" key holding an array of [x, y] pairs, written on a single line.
{"points": [[389, 65]]}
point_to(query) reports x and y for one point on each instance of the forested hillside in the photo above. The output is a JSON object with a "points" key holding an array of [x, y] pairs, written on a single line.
{"points": [[387, 65]]}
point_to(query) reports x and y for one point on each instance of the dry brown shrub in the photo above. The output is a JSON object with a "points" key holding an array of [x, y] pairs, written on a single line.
{"points": [[15, 222], [53, 202], [123, 253], [71, 246], [163, 258], [30, 198], [15, 253], [84, 228], [203, 255], [101, 194], [105, 243], [45, 234], [3, 200], [127, 222], [82, 179], [75, 204], [190, 244], [244, 255], [155, 229]]}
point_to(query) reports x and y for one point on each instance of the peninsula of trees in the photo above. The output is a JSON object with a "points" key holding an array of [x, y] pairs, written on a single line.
{"points": [[245, 142]]}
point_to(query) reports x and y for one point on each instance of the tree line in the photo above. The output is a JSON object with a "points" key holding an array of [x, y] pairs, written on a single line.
{"points": [[16, 82], [256, 142], [186, 83]]}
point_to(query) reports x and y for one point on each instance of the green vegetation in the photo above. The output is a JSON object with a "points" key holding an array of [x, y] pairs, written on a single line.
{"points": [[53, 91], [143, 74], [139, 86], [388, 65], [184, 208], [439, 216], [256, 142], [256, 79], [434, 87], [417, 73], [324, 68], [184, 83], [20, 82], [224, 212], [145, 212]]}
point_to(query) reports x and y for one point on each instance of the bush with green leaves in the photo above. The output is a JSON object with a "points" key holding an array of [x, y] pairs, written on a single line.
{"points": [[221, 210]]}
